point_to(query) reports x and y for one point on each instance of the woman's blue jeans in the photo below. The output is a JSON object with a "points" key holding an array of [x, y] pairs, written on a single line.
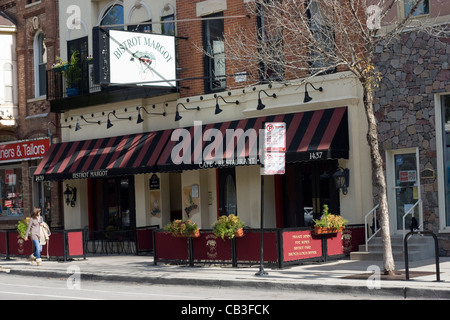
{"points": [[37, 249]]}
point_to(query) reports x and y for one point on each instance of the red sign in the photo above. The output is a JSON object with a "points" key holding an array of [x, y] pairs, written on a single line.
{"points": [[24, 150], [299, 245]]}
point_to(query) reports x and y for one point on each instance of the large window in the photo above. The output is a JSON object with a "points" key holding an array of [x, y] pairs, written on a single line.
{"points": [[271, 47], [323, 51], [214, 46]]}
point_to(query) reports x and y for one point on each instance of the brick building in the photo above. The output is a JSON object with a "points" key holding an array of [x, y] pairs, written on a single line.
{"points": [[36, 48]]}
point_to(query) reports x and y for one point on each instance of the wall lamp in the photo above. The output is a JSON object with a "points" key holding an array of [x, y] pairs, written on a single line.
{"points": [[260, 104], [109, 124], [78, 127], [177, 114], [139, 118], [49, 133], [307, 97], [342, 179], [71, 195], [218, 110]]}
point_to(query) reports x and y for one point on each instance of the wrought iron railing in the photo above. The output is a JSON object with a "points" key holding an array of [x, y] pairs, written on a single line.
{"points": [[61, 86]]}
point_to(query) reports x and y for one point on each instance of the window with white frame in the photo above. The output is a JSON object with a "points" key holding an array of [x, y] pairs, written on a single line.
{"points": [[40, 63]]}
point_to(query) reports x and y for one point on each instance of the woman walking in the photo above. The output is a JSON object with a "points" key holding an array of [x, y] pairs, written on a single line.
{"points": [[34, 228]]}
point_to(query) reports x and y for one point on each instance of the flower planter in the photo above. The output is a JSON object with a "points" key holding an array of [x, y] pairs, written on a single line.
{"points": [[239, 233], [195, 234], [325, 230]]}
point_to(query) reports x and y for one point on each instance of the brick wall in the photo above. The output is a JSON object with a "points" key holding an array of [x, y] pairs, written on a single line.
{"points": [[34, 113]]}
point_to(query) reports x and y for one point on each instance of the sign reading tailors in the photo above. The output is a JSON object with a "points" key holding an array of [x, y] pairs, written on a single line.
{"points": [[141, 58], [23, 150]]}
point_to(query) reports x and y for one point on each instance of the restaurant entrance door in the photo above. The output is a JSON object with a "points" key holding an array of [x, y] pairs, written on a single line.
{"points": [[113, 206], [307, 186]]}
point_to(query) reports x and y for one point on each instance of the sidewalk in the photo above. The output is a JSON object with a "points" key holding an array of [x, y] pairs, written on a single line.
{"points": [[340, 276]]}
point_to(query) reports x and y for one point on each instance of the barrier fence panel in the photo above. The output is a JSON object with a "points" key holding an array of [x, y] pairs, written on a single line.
{"points": [[282, 247], [144, 239], [3, 242], [65, 244]]}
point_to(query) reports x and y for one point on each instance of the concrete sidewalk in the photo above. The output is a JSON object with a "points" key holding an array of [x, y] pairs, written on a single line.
{"points": [[340, 276]]}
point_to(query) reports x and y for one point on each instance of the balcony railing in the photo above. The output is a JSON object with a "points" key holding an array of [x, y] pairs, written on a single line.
{"points": [[60, 87]]}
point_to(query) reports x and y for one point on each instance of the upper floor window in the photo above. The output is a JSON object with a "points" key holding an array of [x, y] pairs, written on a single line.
{"points": [[214, 45], [147, 28], [322, 48], [270, 46], [167, 15], [423, 8], [9, 83], [40, 64], [113, 16]]}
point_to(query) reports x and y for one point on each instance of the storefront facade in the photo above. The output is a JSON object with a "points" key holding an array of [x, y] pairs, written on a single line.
{"points": [[122, 168]]}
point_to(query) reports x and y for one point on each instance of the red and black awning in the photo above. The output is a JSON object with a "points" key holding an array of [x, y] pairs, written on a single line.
{"points": [[106, 157], [310, 136]]}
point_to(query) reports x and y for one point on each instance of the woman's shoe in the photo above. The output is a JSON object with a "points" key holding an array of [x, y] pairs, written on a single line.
{"points": [[39, 262]]}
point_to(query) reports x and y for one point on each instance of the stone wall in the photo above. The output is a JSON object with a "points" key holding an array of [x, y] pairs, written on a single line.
{"points": [[414, 70]]}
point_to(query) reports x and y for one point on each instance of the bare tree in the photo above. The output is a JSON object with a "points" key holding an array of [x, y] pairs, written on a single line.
{"points": [[299, 39]]}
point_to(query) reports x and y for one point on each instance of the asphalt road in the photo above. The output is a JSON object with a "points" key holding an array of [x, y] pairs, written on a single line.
{"points": [[13, 287]]}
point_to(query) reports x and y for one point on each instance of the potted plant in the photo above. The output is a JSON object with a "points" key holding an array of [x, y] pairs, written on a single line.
{"points": [[22, 226], [180, 228], [329, 223], [71, 71], [228, 226]]}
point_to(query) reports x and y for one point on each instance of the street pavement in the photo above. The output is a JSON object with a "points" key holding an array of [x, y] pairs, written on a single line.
{"points": [[339, 276]]}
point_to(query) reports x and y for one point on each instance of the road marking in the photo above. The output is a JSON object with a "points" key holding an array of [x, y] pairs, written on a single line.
{"points": [[174, 296], [46, 295]]}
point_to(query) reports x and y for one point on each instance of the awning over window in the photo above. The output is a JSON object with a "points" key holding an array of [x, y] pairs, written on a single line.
{"points": [[115, 156], [311, 136]]}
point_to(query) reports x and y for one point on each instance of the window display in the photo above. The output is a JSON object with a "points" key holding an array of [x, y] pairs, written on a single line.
{"points": [[11, 191]]}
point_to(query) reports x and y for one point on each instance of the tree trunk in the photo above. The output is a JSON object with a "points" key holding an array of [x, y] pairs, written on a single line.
{"points": [[378, 175]]}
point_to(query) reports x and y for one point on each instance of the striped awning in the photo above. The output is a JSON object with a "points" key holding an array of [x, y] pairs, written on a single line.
{"points": [[106, 157], [310, 136]]}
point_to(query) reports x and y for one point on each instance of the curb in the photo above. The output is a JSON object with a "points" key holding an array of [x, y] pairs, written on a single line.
{"points": [[387, 291]]}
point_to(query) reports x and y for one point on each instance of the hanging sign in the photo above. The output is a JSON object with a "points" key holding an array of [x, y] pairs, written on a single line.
{"points": [[140, 58], [274, 148]]}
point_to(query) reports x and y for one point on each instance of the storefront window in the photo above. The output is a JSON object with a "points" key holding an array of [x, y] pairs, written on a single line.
{"points": [[11, 191], [446, 130]]}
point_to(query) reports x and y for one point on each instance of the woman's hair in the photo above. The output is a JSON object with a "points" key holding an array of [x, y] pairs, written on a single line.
{"points": [[35, 212]]}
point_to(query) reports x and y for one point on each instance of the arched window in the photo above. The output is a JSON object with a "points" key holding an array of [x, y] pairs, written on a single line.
{"points": [[167, 15], [40, 63], [113, 15]]}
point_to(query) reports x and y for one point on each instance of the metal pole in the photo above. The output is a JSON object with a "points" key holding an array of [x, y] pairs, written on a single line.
{"points": [[261, 271]]}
